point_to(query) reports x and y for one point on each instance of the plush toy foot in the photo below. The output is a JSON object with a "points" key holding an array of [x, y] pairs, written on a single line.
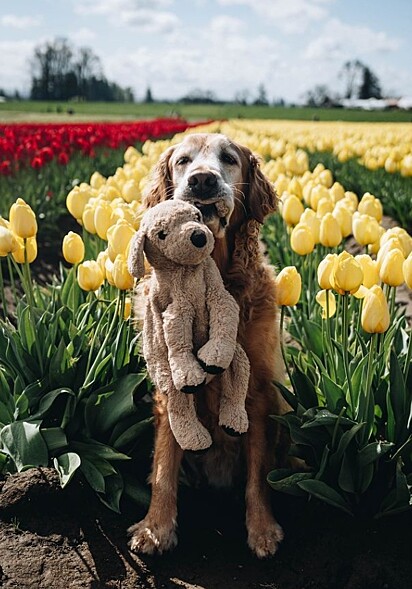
{"points": [[215, 357], [233, 420], [189, 377], [211, 369], [193, 390]]}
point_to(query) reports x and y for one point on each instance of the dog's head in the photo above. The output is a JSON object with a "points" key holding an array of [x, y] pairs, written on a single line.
{"points": [[218, 176], [170, 233]]}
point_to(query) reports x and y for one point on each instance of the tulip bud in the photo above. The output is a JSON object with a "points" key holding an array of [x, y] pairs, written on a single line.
{"points": [[121, 277], [288, 286], [77, 199], [292, 208], [326, 178], [294, 187], [407, 270], [88, 218], [370, 270], [325, 205], [102, 218], [89, 275], [391, 269], [97, 180], [324, 271], [8, 242], [352, 200], [22, 220], [330, 234], [321, 299], [337, 192], [301, 239], [310, 219], [131, 191], [131, 154], [31, 250], [119, 236], [369, 205], [344, 218], [375, 316], [73, 248], [365, 229], [347, 274], [317, 193]]}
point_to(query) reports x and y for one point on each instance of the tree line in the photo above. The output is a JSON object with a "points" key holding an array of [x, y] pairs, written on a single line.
{"points": [[61, 72]]}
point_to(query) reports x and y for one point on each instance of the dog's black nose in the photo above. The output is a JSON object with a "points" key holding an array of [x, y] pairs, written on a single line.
{"points": [[202, 183], [198, 238]]}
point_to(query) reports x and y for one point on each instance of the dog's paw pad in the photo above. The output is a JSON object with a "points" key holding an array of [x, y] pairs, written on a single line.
{"points": [[265, 543]]}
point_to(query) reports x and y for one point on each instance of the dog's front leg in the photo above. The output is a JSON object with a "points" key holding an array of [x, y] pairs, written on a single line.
{"points": [[264, 533], [156, 533]]}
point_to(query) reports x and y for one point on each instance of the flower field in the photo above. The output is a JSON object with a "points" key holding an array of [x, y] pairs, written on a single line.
{"points": [[73, 387]]}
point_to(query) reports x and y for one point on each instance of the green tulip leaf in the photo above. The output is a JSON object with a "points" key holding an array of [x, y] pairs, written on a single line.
{"points": [[66, 465], [23, 442]]}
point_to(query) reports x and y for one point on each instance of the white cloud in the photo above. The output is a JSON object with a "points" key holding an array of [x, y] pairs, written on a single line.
{"points": [[20, 22], [14, 72], [339, 40], [145, 15], [291, 16], [226, 25], [82, 36]]}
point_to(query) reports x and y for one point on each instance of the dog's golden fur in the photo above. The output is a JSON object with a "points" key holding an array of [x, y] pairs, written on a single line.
{"points": [[251, 282]]}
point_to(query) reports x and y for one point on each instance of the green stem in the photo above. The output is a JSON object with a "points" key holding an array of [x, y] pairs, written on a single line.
{"points": [[2, 293], [371, 358], [12, 281], [408, 357], [282, 345], [114, 321], [345, 343], [27, 277], [329, 337]]}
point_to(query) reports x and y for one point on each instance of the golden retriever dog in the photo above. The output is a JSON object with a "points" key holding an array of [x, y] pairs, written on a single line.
{"points": [[224, 181]]}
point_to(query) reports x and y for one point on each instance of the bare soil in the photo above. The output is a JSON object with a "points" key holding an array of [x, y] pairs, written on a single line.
{"points": [[61, 539]]}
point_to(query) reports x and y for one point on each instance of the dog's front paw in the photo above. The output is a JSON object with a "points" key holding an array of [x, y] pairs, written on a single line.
{"points": [[215, 357], [148, 537], [264, 543]]}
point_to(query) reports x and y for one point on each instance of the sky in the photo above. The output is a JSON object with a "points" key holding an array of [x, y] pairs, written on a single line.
{"points": [[223, 46]]}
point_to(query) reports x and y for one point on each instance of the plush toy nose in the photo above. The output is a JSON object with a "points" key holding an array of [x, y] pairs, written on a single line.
{"points": [[198, 238]]}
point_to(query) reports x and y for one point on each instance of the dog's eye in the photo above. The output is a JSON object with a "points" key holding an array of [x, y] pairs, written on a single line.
{"points": [[162, 235], [227, 158], [183, 160]]}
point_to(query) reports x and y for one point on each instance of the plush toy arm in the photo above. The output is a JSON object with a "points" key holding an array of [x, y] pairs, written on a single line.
{"points": [[187, 373], [234, 384], [189, 433], [155, 349], [216, 355]]}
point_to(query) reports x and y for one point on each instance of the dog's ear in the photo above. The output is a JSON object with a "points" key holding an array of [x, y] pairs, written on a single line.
{"points": [[262, 198], [135, 261], [160, 185]]}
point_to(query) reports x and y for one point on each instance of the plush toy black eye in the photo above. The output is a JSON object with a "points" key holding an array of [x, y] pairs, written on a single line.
{"points": [[162, 235]]}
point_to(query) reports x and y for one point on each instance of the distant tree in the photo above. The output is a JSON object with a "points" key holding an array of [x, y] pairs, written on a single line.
{"points": [[199, 96], [148, 99], [261, 98], [320, 95], [360, 81], [61, 73], [370, 86], [242, 97]]}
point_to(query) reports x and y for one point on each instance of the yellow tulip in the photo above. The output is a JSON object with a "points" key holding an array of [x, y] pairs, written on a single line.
{"points": [[347, 274], [102, 218], [22, 220], [77, 199], [407, 270], [292, 208], [391, 269], [365, 228], [405, 240], [121, 277], [370, 270], [131, 154], [131, 191], [326, 178], [310, 219], [31, 250], [73, 248], [324, 271], [301, 239], [127, 308], [330, 234], [373, 248], [288, 286], [325, 205], [369, 205], [119, 236], [317, 193], [89, 275], [8, 242], [321, 299], [337, 192], [88, 217], [97, 180], [295, 187], [352, 200], [375, 316], [344, 217]]}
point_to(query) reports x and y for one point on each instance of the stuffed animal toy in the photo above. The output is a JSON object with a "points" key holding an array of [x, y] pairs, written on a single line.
{"points": [[190, 322]]}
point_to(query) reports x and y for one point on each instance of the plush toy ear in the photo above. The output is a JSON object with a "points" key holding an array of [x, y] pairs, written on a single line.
{"points": [[135, 261]]}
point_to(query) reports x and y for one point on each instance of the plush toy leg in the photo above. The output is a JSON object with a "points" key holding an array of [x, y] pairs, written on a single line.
{"points": [[235, 381], [190, 434]]}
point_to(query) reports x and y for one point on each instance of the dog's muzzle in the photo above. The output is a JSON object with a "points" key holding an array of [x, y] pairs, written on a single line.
{"points": [[203, 185]]}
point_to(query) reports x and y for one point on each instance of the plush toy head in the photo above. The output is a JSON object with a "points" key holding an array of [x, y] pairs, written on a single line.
{"points": [[170, 232]]}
